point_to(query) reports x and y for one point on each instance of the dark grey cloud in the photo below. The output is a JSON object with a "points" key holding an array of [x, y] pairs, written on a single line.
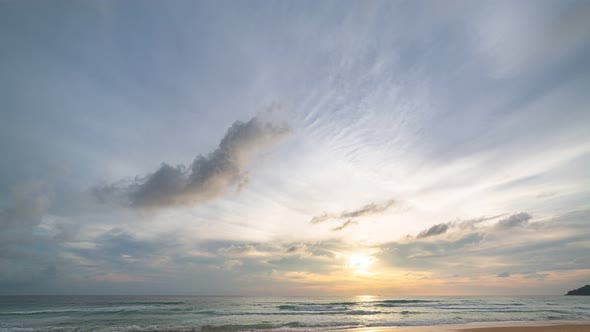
{"points": [[208, 176], [161, 188], [461, 225], [434, 230], [366, 210], [517, 219], [295, 248], [504, 274]]}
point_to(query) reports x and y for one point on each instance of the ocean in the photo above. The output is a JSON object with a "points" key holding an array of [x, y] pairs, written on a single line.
{"points": [[201, 313]]}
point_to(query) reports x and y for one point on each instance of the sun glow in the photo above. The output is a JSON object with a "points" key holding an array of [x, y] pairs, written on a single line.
{"points": [[360, 262]]}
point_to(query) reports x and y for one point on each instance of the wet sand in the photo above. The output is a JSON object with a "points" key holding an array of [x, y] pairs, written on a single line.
{"points": [[489, 327], [551, 328]]}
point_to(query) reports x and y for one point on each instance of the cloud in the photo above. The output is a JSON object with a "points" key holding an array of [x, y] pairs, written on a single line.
{"points": [[208, 176], [429, 255], [295, 248], [28, 252], [517, 219], [546, 194], [472, 223], [366, 210], [238, 250], [349, 222], [538, 249], [231, 264], [534, 275], [464, 225], [123, 253], [434, 230], [118, 242]]}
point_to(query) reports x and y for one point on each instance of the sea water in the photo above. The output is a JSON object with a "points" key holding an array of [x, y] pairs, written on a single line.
{"points": [[199, 313]]}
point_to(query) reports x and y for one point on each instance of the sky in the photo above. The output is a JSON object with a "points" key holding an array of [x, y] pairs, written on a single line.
{"points": [[294, 147]]}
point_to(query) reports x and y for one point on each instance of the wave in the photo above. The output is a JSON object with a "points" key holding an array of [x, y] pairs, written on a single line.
{"points": [[273, 327], [236, 327], [519, 311], [296, 306], [312, 307], [408, 312], [297, 313], [273, 314], [407, 301], [151, 303], [117, 309], [345, 305]]}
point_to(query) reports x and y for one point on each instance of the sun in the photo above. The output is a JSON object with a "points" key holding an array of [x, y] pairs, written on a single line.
{"points": [[360, 262]]}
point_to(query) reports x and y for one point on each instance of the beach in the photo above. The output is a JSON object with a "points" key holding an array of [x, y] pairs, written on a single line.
{"points": [[490, 327], [550, 328]]}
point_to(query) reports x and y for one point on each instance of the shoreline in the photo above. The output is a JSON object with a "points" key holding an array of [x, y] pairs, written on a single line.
{"points": [[509, 326]]}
